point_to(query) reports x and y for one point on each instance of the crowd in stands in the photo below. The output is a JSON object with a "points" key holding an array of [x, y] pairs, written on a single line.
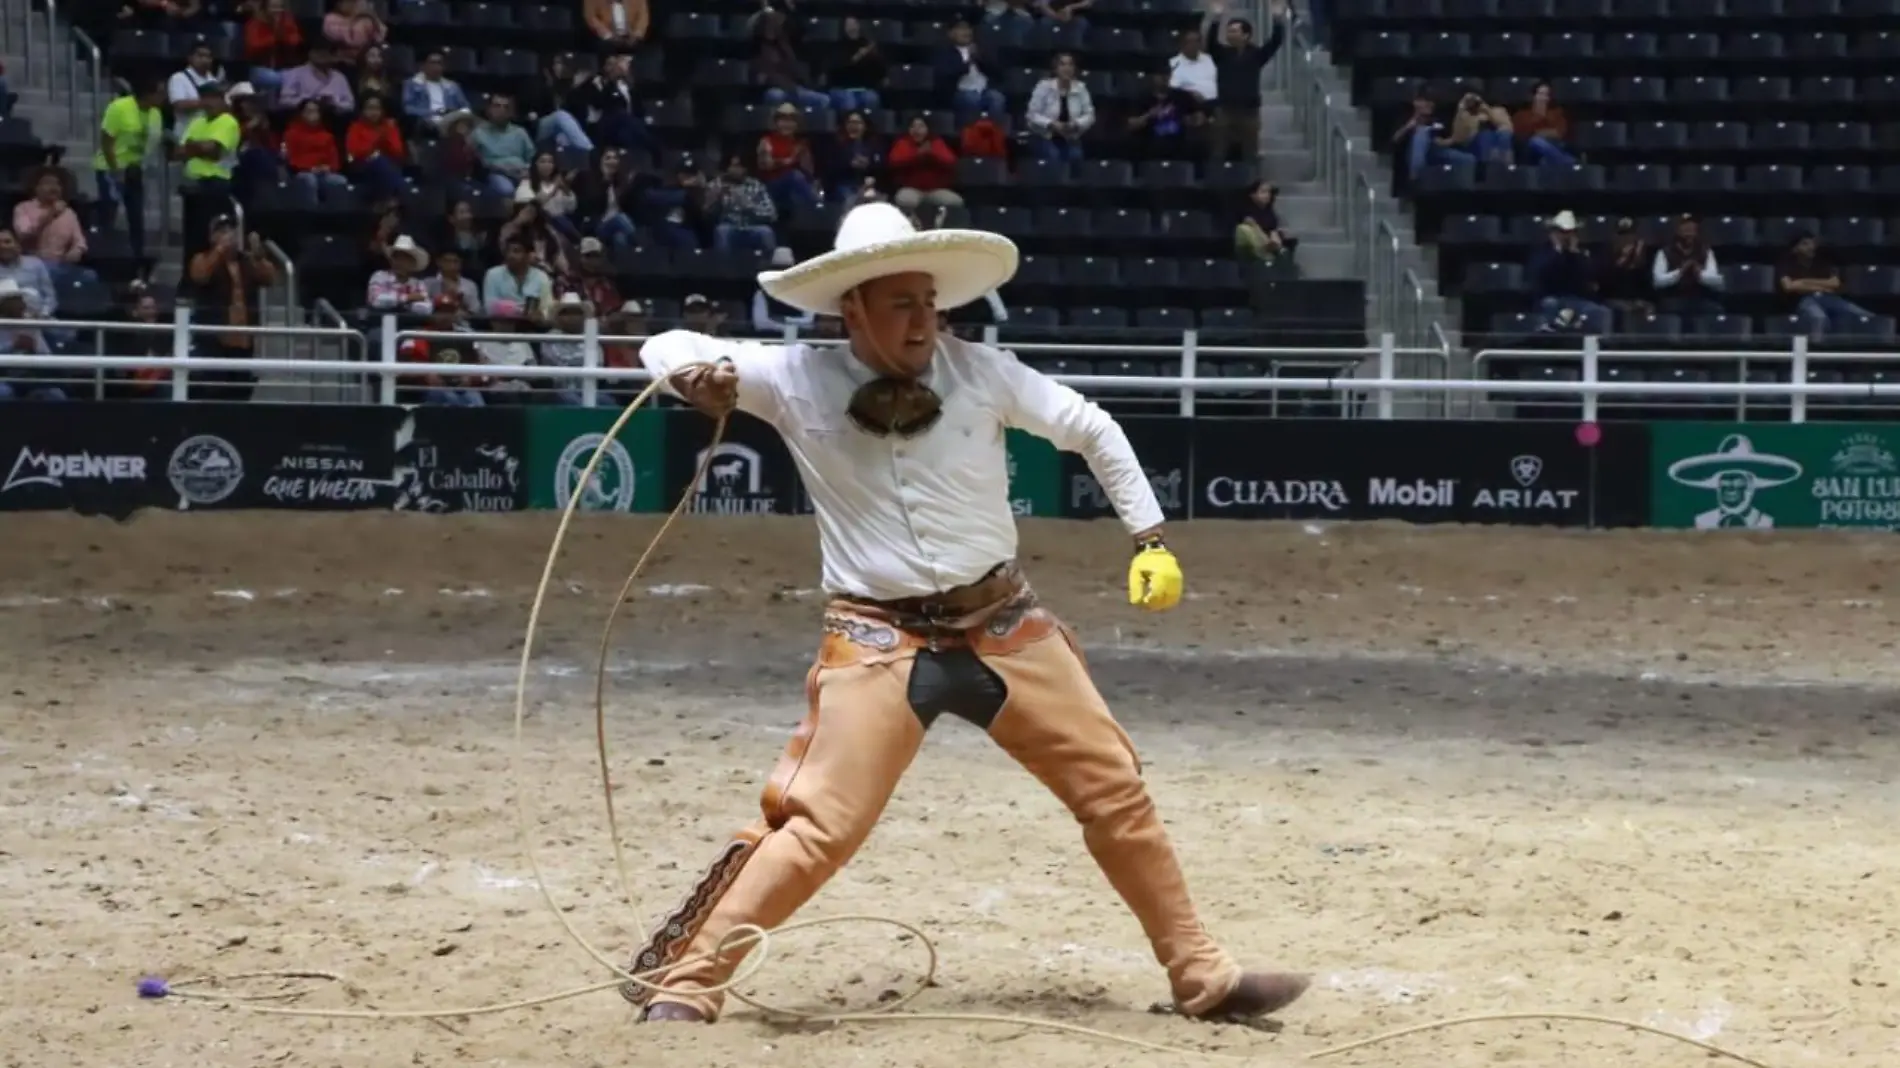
{"points": [[534, 196]]}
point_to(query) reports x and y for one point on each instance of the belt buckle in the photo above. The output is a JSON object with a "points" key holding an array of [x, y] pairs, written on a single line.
{"points": [[933, 613]]}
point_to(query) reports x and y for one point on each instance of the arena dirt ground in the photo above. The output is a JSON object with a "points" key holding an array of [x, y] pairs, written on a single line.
{"points": [[1448, 770]]}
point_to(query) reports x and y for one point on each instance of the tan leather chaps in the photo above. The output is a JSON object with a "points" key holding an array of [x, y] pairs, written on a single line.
{"points": [[865, 724]]}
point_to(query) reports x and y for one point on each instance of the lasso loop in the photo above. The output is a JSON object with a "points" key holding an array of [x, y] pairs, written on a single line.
{"points": [[293, 984]]}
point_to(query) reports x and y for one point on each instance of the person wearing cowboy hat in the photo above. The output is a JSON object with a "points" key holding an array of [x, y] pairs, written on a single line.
{"points": [[899, 438], [1563, 278], [26, 383], [399, 287], [1735, 471]]}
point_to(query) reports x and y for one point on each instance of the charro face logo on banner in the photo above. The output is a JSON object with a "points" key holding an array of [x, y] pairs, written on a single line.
{"points": [[54, 470], [204, 470], [1735, 473], [734, 482], [614, 483], [1528, 495]]}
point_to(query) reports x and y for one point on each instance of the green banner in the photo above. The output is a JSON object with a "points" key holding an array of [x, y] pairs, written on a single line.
{"points": [[562, 442], [1035, 475], [1722, 476]]}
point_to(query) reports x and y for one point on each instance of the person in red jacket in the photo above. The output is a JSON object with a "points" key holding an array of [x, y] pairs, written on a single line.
{"points": [[272, 44], [376, 151], [310, 150], [922, 167]]}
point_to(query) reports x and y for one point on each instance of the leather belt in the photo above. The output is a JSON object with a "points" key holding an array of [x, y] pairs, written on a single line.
{"points": [[944, 608]]}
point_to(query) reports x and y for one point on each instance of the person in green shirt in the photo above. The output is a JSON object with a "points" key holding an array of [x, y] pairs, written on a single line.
{"points": [[209, 148], [128, 131]]}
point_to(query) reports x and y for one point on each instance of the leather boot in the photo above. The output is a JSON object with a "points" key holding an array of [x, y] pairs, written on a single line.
{"points": [[671, 1012], [1258, 994]]}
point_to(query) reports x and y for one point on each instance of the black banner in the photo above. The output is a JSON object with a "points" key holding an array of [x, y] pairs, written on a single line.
{"points": [[105, 458], [461, 460], [1420, 472], [1164, 444], [751, 471], [313, 457]]}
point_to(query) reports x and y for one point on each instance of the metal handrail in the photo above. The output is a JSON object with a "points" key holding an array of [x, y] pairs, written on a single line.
{"points": [[80, 113], [282, 259]]}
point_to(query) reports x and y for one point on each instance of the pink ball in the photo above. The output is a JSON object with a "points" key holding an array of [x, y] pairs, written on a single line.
{"points": [[1588, 434]]}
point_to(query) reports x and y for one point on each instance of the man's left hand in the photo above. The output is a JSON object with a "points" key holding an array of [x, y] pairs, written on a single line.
{"points": [[1154, 579]]}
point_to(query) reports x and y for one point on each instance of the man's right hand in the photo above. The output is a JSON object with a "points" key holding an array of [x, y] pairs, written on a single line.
{"points": [[712, 390]]}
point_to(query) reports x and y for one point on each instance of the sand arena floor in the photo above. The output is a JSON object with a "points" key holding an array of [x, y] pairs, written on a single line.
{"points": [[1450, 771]]}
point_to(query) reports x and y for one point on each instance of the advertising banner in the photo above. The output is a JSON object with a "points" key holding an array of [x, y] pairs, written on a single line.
{"points": [[749, 473], [310, 457], [561, 442], [462, 460], [1418, 472], [1164, 444], [104, 458], [1757, 476], [1035, 475]]}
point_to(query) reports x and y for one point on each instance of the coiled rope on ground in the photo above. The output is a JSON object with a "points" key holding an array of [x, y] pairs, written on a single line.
{"points": [[295, 983]]}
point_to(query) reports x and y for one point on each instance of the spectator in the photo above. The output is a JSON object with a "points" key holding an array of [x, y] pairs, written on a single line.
{"points": [[1000, 14], [617, 22], [317, 79], [772, 317], [456, 158], [741, 209], [447, 316], [1422, 138], [399, 287], [1812, 283], [143, 383], [531, 224], [184, 89], [373, 77], [922, 168], [1480, 132], [1165, 129], [548, 187], [856, 157], [226, 276], [1238, 61], [505, 149], [260, 158], [545, 101], [310, 150], [48, 228], [602, 197], [352, 26], [855, 70], [1066, 12], [629, 320], [597, 285], [702, 316], [1624, 282], [1193, 72], [1563, 280], [776, 66], [429, 98], [1544, 129], [377, 154], [565, 347], [1060, 112], [966, 77], [273, 43], [451, 282], [129, 130], [611, 107], [510, 391], [785, 163], [26, 383], [208, 148], [384, 233], [29, 275], [676, 211], [1259, 237], [1685, 273], [515, 287]]}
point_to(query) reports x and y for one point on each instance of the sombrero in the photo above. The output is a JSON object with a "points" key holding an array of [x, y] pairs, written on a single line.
{"points": [[1736, 453], [877, 240]]}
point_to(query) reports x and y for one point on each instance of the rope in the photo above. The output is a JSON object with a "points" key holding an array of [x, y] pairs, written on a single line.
{"points": [[294, 984]]}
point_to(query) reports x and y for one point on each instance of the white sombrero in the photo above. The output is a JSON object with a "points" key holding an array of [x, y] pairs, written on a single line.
{"points": [[877, 240]]}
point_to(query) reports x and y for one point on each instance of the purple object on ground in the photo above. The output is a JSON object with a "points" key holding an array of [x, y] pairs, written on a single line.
{"points": [[153, 987]]}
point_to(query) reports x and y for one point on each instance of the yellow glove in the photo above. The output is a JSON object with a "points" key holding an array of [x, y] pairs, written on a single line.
{"points": [[1154, 578]]}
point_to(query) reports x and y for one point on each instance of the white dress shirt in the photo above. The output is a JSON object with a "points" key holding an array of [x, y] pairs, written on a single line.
{"points": [[910, 517], [1197, 75]]}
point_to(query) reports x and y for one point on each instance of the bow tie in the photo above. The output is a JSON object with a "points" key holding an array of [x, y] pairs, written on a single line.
{"points": [[895, 406]]}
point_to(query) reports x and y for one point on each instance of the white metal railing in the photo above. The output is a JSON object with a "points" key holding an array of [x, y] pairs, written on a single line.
{"points": [[1591, 386]]}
